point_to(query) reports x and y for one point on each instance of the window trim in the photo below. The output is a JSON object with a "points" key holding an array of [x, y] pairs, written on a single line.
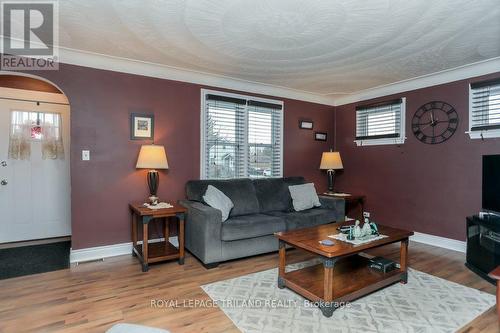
{"points": [[386, 141], [204, 93], [483, 133]]}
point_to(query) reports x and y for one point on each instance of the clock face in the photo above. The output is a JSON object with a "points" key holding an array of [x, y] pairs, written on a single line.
{"points": [[434, 122]]}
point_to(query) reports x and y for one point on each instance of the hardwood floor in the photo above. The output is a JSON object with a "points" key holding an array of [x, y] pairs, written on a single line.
{"points": [[92, 297]]}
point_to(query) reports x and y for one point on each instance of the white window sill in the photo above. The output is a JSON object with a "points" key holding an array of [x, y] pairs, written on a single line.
{"points": [[486, 134], [376, 142]]}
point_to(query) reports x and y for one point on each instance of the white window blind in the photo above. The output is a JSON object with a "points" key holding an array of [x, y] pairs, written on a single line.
{"points": [[485, 106], [380, 122], [241, 137], [264, 139]]}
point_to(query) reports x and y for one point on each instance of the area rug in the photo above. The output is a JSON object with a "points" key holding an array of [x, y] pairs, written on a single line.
{"points": [[425, 304], [33, 259]]}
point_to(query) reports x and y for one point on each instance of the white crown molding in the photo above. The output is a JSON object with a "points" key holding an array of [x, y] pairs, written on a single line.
{"points": [[137, 67], [131, 66], [455, 74], [107, 251], [144, 68], [446, 243]]}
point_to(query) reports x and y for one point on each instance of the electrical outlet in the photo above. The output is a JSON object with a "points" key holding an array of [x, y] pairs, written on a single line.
{"points": [[85, 155], [366, 214]]}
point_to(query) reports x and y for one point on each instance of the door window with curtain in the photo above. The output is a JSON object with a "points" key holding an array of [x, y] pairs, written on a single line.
{"points": [[28, 126], [242, 136]]}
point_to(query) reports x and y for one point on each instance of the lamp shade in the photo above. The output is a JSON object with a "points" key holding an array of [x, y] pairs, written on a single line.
{"points": [[152, 157], [331, 161]]}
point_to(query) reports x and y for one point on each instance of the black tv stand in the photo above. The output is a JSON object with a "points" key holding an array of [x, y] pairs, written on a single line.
{"points": [[486, 215], [483, 245]]}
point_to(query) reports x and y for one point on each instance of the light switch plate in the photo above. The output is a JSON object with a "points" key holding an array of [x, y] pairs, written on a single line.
{"points": [[85, 155]]}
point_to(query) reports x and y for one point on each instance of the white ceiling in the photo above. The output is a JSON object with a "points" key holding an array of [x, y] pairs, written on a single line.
{"points": [[325, 47]]}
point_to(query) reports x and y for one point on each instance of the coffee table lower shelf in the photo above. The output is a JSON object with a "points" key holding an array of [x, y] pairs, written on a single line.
{"points": [[352, 279]]}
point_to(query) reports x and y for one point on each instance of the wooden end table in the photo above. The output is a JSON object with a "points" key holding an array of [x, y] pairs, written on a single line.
{"points": [[159, 251], [343, 274]]}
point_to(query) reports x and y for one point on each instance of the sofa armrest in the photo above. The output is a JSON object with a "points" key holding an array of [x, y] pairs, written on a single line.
{"points": [[203, 231], [333, 203]]}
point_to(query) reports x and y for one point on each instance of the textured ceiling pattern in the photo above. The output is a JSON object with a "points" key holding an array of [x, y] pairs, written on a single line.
{"points": [[321, 46]]}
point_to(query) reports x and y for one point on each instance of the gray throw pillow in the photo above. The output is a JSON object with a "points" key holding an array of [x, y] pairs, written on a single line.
{"points": [[218, 200], [304, 196]]}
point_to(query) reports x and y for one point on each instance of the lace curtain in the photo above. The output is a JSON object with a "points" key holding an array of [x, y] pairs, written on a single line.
{"points": [[29, 126], [52, 143]]}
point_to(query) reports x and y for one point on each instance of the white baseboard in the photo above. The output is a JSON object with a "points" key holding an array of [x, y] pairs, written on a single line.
{"points": [[446, 243], [101, 252]]}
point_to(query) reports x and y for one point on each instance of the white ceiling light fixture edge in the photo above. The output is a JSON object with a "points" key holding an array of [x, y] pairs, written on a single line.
{"points": [[131, 66], [450, 75]]}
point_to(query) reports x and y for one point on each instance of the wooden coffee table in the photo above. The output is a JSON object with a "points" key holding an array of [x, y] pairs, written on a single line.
{"points": [[344, 274]]}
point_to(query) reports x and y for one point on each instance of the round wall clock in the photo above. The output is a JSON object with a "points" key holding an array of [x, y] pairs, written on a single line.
{"points": [[434, 122]]}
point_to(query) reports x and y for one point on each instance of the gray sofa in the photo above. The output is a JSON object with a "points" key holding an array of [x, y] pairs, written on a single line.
{"points": [[261, 208]]}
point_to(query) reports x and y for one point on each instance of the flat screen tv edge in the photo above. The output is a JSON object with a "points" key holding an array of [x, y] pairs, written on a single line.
{"points": [[491, 185]]}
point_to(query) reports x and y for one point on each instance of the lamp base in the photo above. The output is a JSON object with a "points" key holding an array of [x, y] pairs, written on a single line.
{"points": [[154, 199], [331, 180], [153, 181]]}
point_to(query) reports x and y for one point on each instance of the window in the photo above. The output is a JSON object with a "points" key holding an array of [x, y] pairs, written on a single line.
{"points": [[484, 109], [381, 123], [35, 121], [241, 136], [29, 126]]}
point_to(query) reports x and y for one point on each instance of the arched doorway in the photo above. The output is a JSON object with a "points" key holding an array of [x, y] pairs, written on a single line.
{"points": [[35, 190]]}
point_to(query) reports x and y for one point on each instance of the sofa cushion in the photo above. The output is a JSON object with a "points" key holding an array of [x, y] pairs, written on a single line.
{"points": [[218, 200], [306, 218], [273, 193], [304, 196], [250, 226], [240, 191]]}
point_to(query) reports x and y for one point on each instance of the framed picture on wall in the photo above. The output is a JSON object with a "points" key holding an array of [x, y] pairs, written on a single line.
{"points": [[142, 126], [306, 124], [320, 136]]}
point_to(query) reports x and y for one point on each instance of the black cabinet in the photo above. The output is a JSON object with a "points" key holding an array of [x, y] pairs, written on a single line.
{"points": [[483, 245]]}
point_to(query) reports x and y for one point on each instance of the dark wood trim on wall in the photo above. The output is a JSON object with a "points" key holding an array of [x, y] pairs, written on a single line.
{"points": [[26, 83]]}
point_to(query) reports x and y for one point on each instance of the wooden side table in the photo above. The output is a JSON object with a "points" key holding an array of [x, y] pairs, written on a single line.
{"points": [[159, 251], [354, 204]]}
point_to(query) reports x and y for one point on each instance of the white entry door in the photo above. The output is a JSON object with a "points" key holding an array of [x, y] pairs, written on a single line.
{"points": [[35, 198]]}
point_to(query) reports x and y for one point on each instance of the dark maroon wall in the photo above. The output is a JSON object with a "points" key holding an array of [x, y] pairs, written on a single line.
{"points": [[425, 188], [101, 102]]}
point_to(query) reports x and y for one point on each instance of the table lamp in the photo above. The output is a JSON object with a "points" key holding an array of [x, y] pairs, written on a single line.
{"points": [[331, 161], [152, 157]]}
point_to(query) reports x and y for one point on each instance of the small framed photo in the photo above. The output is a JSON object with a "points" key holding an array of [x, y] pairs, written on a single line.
{"points": [[142, 126], [320, 136], [306, 124]]}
